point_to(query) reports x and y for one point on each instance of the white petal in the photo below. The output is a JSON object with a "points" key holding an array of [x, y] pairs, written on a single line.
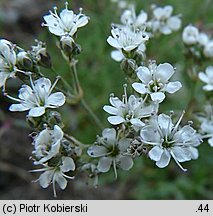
{"points": [[157, 96], [115, 120], [62, 182], [155, 153], [165, 30], [67, 164], [113, 42], [203, 77], [164, 72], [180, 154], [56, 99], [123, 144], [164, 160], [58, 133], [3, 77], [36, 111], [46, 178], [53, 25], [144, 74], [43, 138], [125, 162], [97, 151], [111, 110], [137, 122], [18, 107], [110, 135], [172, 87], [174, 23], [140, 88], [117, 55], [194, 153], [82, 21], [208, 87], [210, 141], [165, 124], [67, 18], [116, 102], [150, 134], [104, 164]]}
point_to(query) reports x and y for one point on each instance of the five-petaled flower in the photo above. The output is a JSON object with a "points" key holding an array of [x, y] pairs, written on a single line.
{"points": [[110, 149], [130, 110], [37, 98], [169, 140], [53, 174], [155, 81], [66, 23]]}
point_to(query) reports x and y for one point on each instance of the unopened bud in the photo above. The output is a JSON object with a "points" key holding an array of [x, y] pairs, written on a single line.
{"points": [[129, 66], [24, 61], [44, 60]]}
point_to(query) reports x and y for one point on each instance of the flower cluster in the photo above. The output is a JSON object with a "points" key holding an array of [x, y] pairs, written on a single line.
{"points": [[198, 43]]}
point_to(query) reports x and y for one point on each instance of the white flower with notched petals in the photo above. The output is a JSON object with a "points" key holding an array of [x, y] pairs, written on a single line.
{"points": [[207, 78], [208, 49], [66, 23], [47, 144], [155, 81], [125, 39], [56, 174], [37, 98], [169, 140], [163, 21], [111, 150], [7, 61], [190, 35], [130, 110]]}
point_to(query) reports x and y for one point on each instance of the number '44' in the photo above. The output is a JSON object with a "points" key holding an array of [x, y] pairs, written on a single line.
{"points": [[202, 208]]}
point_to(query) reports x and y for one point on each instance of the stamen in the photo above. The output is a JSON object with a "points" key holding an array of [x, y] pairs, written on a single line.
{"points": [[178, 122], [177, 162]]}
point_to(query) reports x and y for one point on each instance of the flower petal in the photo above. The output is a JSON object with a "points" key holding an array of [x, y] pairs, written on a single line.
{"points": [[113, 42], [172, 87], [144, 74], [104, 164], [126, 162], [123, 144], [164, 160], [18, 107], [109, 134], [46, 178], [157, 96], [62, 182], [68, 164], [111, 110], [97, 151], [180, 154], [140, 88], [164, 72], [115, 120], [36, 111], [117, 55], [155, 153], [56, 99]]}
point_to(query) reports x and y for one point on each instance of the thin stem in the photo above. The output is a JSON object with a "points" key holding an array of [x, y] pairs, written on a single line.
{"points": [[74, 140], [95, 118]]}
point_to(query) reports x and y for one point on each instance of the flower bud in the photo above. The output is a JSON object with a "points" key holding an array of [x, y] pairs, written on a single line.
{"points": [[129, 66], [54, 118], [69, 47], [24, 61]]}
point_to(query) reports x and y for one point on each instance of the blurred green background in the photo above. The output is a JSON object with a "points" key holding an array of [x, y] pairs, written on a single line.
{"points": [[100, 75]]}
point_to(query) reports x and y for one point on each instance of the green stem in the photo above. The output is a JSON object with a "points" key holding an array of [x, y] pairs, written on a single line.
{"points": [[92, 114]]}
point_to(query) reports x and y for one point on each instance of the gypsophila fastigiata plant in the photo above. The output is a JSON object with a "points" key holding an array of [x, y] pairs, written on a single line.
{"points": [[138, 125]]}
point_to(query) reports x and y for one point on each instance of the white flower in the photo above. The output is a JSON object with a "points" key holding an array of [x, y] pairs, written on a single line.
{"points": [[130, 110], [57, 174], [37, 98], [66, 23], [190, 35], [208, 49], [125, 39], [163, 21], [203, 39], [207, 78], [47, 144], [169, 140], [155, 81], [110, 150], [130, 18], [7, 61]]}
